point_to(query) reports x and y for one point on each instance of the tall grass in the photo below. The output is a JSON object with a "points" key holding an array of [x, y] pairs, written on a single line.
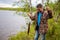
{"points": [[52, 34]]}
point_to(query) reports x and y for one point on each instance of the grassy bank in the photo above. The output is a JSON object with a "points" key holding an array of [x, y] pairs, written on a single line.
{"points": [[52, 34], [24, 35]]}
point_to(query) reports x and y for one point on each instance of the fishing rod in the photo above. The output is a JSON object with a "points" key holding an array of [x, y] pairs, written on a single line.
{"points": [[30, 5]]}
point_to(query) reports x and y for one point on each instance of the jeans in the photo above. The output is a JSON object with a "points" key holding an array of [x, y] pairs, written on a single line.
{"points": [[37, 36]]}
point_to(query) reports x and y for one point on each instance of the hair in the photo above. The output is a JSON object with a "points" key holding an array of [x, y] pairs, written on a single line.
{"points": [[39, 6]]}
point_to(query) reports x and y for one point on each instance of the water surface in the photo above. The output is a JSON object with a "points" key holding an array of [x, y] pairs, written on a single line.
{"points": [[10, 23]]}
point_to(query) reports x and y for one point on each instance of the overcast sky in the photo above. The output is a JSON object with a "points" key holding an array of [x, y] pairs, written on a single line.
{"points": [[8, 3]]}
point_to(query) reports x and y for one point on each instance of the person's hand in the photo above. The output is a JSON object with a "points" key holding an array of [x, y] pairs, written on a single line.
{"points": [[29, 14], [46, 12]]}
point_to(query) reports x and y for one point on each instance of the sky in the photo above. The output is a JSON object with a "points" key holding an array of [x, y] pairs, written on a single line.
{"points": [[9, 3]]}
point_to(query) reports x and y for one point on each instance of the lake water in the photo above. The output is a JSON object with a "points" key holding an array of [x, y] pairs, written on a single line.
{"points": [[10, 23]]}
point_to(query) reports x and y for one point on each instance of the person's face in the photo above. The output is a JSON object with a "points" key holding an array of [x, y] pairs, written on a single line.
{"points": [[39, 9]]}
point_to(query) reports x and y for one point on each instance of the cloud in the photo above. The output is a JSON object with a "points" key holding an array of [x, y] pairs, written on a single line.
{"points": [[4, 5], [8, 3], [35, 2]]}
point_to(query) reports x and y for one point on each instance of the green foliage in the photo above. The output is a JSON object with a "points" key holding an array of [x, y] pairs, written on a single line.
{"points": [[53, 30], [24, 35], [52, 34]]}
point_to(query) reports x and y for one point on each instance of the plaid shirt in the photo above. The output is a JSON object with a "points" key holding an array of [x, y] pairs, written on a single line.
{"points": [[43, 25]]}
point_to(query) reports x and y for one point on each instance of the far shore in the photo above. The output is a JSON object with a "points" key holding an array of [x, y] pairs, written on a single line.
{"points": [[13, 9]]}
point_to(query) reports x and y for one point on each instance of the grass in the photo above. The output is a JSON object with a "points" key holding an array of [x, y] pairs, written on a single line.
{"points": [[52, 34], [24, 35]]}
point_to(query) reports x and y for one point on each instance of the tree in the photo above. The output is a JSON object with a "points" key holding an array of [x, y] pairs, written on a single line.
{"points": [[47, 2]]}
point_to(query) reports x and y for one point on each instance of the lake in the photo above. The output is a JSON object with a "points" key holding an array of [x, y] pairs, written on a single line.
{"points": [[10, 24]]}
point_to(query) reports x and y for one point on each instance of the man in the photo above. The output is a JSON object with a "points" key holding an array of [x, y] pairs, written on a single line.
{"points": [[41, 22]]}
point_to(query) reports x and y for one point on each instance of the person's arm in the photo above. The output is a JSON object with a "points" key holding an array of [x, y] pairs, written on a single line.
{"points": [[31, 16], [50, 14]]}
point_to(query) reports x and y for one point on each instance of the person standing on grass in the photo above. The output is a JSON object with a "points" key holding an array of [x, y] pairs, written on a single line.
{"points": [[41, 18]]}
